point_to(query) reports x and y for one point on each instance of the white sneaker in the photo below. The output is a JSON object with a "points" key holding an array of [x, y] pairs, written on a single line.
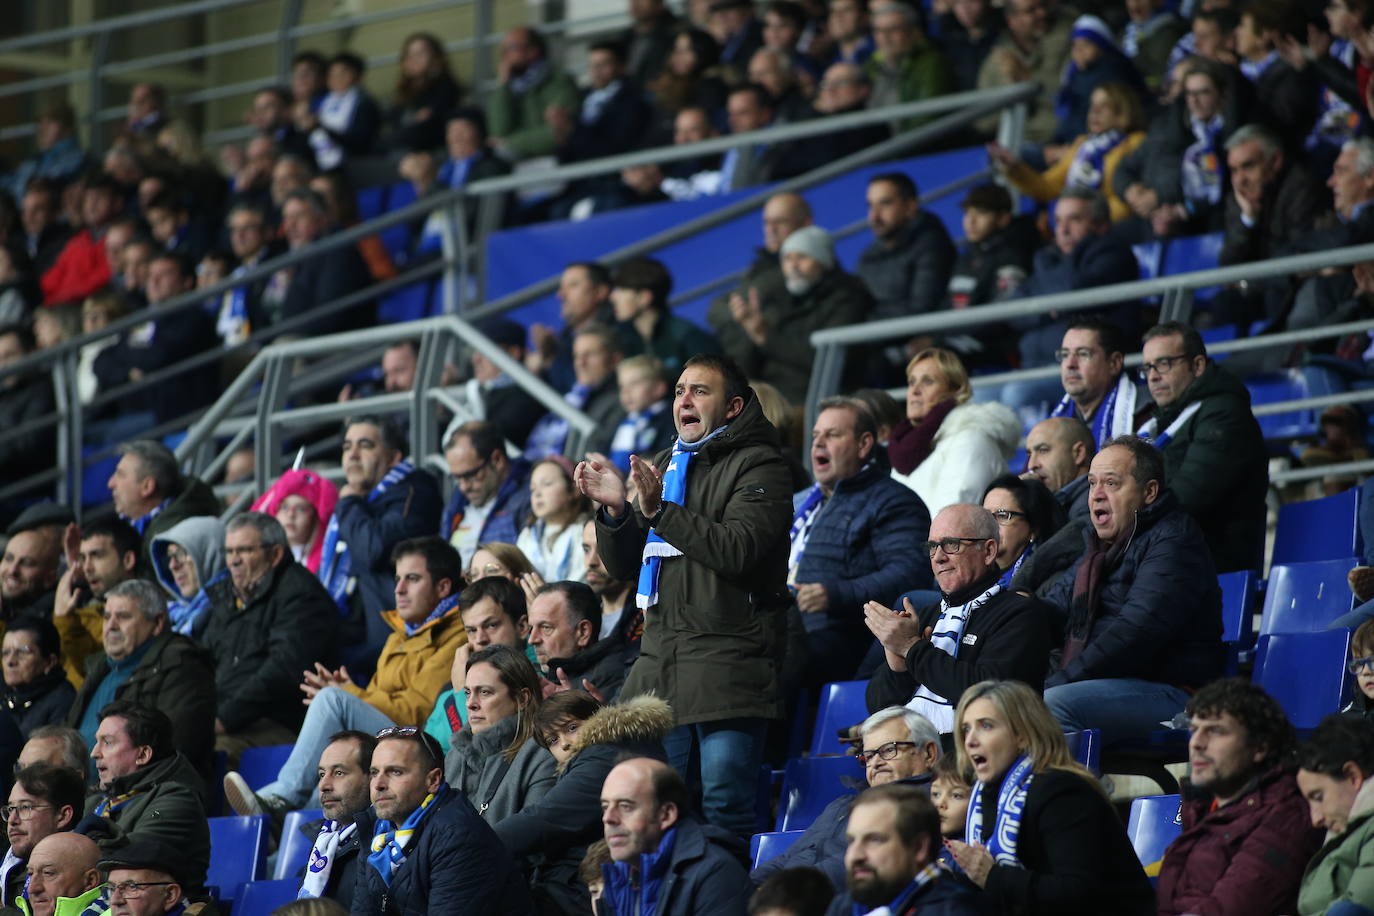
{"points": [[240, 797]]}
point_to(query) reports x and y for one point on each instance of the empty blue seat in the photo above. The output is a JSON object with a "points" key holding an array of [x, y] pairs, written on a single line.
{"points": [[259, 765], [396, 239], [811, 783], [765, 846], [371, 202], [1086, 748], [842, 704], [258, 898], [294, 850], [1302, 597], [1238, 592], [1289, 385], [1156, 821], [1318, 529], [238, 852], [1306, 673], [409, 303], [1190, 253]]}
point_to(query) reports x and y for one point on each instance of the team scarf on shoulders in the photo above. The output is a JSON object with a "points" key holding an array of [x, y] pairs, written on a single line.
{"points": [[440, 609], [635, 435], [336, 567], [389, 842], [1113, 416], [1161, 440], [327, 841], [1202, 161], [946, 637], [656, 550], [801, 527], [923, 877], [113, 804], [1012, 570], [1089, 164], [142, 522], [1011, 804], [1253, 70]]}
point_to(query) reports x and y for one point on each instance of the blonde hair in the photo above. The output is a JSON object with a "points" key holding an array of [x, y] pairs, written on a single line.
{"points": [[778, 411], [509, 556], [1029, 720], [643, 363], [950, 365], [1130, 117]]}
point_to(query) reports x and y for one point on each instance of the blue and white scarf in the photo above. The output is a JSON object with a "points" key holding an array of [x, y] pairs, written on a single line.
{"points": [[233, 324], [184, 615], [336, 566], [1337, 121], [553, 568], [596, 102], [656, 550], [1202, 162], [1254, 69], [923, 877], [533, 76], [1089, 166], [800, 533], [1161, 440], [143, 521], [327, 841], [1005, 580], [1113, 416], [1130, 41], [1011, 804], [389, 842], [947, 636], [635, 435]]}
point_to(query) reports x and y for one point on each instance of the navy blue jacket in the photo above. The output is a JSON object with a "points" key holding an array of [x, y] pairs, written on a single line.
{"points": [[861, 547], [455, 867], [506, 518], [1098, 260], [702, 874], [1160, 615]]}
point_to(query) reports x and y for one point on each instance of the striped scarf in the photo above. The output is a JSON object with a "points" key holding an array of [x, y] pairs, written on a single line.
{"points": [[946, 637], [336, 567], [389, 842], [656, 550], [1011, 804], [111, 805]]}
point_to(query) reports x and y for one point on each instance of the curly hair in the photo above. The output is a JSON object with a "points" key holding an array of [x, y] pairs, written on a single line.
{"points": [[1266, 724], [1338, 740]]}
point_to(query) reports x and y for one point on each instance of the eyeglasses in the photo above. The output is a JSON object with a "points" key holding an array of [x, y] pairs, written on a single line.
{"points": [[886, 752], [1161, 365], [472, 475], [176, 556], [1082, 354], [491, 569], [1361, 664], [951, 546], [25, 810], [1005, 516], [132, 890], [18, 652]]}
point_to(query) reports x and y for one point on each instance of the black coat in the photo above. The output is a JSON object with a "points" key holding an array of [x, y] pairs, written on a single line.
{"points": [[408, 131], [619, 126], [912, 276], [321, 281], [1289, 209], [454, 867], [172, 339], [43, 701], [22, 454], [1098, 260], [343, 873]]}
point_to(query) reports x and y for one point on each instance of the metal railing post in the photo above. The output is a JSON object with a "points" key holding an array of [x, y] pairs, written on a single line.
{"points": [[481, 52], [286, 41], [67, 446], [100, 50], [453, 235], [272, 397]]}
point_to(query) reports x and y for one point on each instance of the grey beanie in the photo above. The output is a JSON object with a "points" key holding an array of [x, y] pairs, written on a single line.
{"points": [[814, 242]]}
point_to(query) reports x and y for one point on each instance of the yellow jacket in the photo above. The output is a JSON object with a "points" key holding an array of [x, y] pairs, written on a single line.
{"points": [[82, 636], [413, 670], [1045, 186]]}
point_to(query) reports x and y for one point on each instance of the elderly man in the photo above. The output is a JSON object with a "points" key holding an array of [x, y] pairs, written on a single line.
{"points": [[712, 577], [1214, 457], [146, 789], [845, 88], [783, 214], [150, 493], [565, 631], [144, 662], [518, 109], [343, 786], [414, 664], [851, 538], [491, 494], [269, 620], [106, 555], [57, 745], [433, 852], [976, 631], [145, 879], [63, 877], [45, 799], [906, 67], [898, 746], [643, 802], [1141, 609], [908, 264], [1096, 390]]}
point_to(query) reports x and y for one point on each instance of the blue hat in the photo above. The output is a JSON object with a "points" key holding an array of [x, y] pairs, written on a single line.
{"points": [[1095, 30]]}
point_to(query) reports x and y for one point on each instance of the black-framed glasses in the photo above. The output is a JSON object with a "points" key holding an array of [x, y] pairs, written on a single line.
{"points": [[1005, 516], [1358, 665], [25, 810], [472, 474], [1161, 365], [951, 546], [132, 890], [886, 752]]}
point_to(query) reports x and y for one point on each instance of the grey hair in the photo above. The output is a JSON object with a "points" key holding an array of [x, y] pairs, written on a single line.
{"points": [[312, 200], [1101, 211], [75, 753], [270, 530], [1364, 153], [981, 523], [1268, 141], [158, 463], [146, 596], [921, 730]]}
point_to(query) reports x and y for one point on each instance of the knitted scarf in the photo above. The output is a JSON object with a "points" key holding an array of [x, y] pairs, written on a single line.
{"points": [[1113, 416], [911, 444], [336, 567], [389, 842], [327, 841], [923, 877], [1089, 165], [656, 550], [1011, 803]]}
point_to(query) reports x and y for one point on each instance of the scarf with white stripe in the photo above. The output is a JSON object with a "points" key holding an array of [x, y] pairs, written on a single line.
{"points": [[1113, 416], [389, 842], [1161, 440], [656, 550], [947, 636], [1011, 804], [327, 841], [336, 567]]}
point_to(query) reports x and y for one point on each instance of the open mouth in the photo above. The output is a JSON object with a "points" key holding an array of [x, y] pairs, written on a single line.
{"points": [[979, 761], [689, 420], [1101, 516], [819, 461]]}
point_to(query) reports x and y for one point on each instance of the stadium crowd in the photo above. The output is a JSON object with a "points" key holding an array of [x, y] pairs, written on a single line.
{"points": [[554, 691]]}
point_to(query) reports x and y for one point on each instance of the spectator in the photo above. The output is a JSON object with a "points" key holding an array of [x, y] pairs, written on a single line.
{"points": [[192, 168], [146, 111], [930, 659], [738, 31], [470, 159], [45, 800], [321, 280], [723, 697], [948, 447], [147, 790], [243, 309], [994, 262], [492, 395], [1059, 451], [897, 746], [1244, 816], [44, 235], [336, 856], [491, 491], [1094, 60], [690, 80], [1027, 517], [1286, 99], [584, 299], [950, 789], [150, 493], [19, 295], [565, 631], [552, 539], [36, 690], [347, 120], [28, 570], [61, 747], [774, 70], [782, 215], [1361, 665], [967, 34], [596, 353], [784, 28], [613, 116], [850, 539], [642, 802], [290, 173], [748, 108], [251, 182], [1115, 129], [1334, 767], [426, 628], [106, 554], [802, 891], [187, 559], [270, 115], [96, 314], [1141, 609], [63, 874], [270, 620], [303, 501], [639, 295], [144, 663], [308, 75], [846, 25], [845, 88], [1096, 389], [908, 264], [146, 877], [171, 225], [906, 67], [620, 618], [341, 211], [1034, 47], [447, 856], [894, 841], [59, 158], [81, 269], [518, 110], [426, 92], [25, 396], [1051, 842], [646, 423], [1150, 35], [648, 41]]}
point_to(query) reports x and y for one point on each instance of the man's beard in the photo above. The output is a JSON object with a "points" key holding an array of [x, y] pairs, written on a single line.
{"points": [[875, 891], [799, 286]]}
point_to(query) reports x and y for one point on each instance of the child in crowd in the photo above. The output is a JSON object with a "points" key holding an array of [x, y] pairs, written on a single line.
{"points": [[950, 788], [598, 854], [1362, 666], [994, 262], [803, 891], [553, 539], [648, 424]]}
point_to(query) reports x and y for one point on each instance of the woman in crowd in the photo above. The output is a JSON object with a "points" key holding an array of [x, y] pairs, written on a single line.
{"points": [[496, 761], [425, 94], [690, 79], [587, 739], [949, 448], [187, 559], [499, 559], [37, 691], [553, 538], [1027, 516], [1041, 836], [1334, 770]]}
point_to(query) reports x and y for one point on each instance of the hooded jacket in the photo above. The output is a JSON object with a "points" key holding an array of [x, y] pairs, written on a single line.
{"points": [[314, 489], [711, 644], [1343, 869], [412, 669], [972, 446], [202, 537], [476, 765], [193, 498]]}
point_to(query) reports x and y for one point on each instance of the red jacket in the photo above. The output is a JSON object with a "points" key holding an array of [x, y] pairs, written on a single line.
{"points": [[80, 270], [1245, 859]]}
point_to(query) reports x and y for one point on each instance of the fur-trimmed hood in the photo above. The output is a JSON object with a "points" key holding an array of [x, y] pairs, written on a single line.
{"points": [[644, 719]]}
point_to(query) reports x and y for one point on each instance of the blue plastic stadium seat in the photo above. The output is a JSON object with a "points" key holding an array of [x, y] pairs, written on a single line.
{"points": [[765, 846], [842, 704], [1150, 257], [1319, 529], [1238, 593], [1288, 385], [295, 847], [409, 303], [1303, 597], [811, 783], [238, 851], [259, 898], [1086, 748], [1306, 673], [1156, 821], [1190, 253], [371, 202], [396, 239], [259, 765]]}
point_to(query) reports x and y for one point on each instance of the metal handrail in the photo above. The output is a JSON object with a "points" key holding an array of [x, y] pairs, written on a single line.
{"points": [[115, 23]]}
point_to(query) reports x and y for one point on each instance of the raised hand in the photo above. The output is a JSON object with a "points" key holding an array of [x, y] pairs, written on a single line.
{"points": [[602, 485]]}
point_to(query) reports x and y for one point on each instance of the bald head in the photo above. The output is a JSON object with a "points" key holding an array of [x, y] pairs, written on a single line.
{"points": [[783, 215], [640, 801], [973, 538], [61, 865], [1059, 450]]}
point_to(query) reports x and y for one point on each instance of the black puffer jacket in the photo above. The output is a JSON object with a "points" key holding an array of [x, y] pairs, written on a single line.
{"points": [[43, 701]]}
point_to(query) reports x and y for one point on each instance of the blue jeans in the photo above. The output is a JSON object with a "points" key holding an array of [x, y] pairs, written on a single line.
{"points": [[724, 756], [1121, 708], [332, 710], [1352, 620]]}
